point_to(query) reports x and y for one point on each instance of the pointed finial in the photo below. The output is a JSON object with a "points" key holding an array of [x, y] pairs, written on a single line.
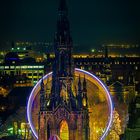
{"points": [[42, 82], [79, 78], [84, 83], [62, 6], [84, 78]]}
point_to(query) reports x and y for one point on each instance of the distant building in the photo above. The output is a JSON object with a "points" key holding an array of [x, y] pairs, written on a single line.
{"points": [[133, 130], [24, 71], [32, 71], [122, 50], [22, 51]]}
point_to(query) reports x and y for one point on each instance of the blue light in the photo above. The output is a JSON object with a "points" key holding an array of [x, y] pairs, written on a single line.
{"points": [[31, 98]]}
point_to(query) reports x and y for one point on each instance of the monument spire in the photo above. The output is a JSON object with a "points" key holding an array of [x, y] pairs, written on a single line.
{"points": [[63, 63], [63, 105], [62, 6]]}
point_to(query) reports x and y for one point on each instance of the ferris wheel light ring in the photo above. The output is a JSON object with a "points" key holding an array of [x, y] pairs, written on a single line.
{"points": [[32, 96]]}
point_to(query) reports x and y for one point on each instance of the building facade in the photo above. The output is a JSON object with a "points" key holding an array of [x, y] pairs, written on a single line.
{"points": [[132, 131]]}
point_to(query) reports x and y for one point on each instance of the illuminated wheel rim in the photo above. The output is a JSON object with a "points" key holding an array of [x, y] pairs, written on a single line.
{"points": [[32, 96]]}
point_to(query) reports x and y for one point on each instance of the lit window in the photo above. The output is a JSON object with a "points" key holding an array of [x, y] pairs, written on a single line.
{"points": [[17, 67], [35, 66], [12, 67], [30, 67], [120, 78], [98, 73], [24, 67], [108, 78], [35, 82], [82, 67], [1, 67], [6, 67], [84, 102], [41, 66], [136, 67]]}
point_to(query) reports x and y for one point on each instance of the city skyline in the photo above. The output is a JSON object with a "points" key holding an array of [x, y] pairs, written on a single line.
{"points": [[92, 22]]}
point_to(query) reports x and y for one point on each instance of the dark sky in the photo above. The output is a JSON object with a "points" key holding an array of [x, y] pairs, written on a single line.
{"points": [[92, 21]]}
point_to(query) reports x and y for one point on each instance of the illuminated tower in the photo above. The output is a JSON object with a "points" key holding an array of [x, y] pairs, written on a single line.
{"points": [[64, 112], [63, 64]]}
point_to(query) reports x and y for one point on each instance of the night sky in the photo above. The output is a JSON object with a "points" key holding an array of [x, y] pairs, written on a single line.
{"points": [[92, 21]]}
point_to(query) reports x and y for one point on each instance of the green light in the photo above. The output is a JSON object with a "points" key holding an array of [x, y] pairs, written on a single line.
{"points": [[12, 48], [34, 82], [93, 50], [18, 48], [24, 49], [9, 129]]}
